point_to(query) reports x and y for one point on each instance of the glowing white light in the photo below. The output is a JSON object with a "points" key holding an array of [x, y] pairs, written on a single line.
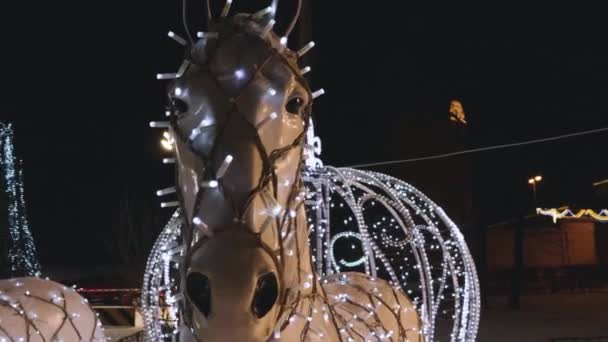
{"points": [[305, 70], [210, 184], [224, 167], [160, 124], [206, 122], [169, 204], [276, 211], [195, 133], [167, 145], [272, 91], [226, 9], [271, 117], [268, 27], [178, 91], [239, 74], [305, 49], [283, 41], [318, 93], [170, 76], [167, 191], [177, 38], [260, 14], [207, 34]]}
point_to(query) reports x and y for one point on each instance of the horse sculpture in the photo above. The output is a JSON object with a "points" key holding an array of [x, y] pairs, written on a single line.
{"points": [[39, 310], [240, 113], [240, 116]]}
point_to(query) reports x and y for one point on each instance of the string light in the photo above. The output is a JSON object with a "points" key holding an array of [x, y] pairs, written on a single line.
{"points": [[207, 34], [318, 93], [168, 141], [565, 214], [22, 259], [483, 149], [305, 49], [260, 14], [268, 27], [305, 70], [405, 238], [177, 38], [52, 315]]}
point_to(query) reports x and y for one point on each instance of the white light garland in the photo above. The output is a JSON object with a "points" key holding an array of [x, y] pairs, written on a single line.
{"points": [[413, 243], [22, 258], [417, 247], [404, 237]]}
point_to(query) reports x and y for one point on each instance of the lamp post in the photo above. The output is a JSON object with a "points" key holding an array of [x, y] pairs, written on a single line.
{"points": [[533, 181]]}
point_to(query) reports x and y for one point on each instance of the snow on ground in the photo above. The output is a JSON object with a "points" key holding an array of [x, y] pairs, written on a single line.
{"points": [[542, 318], [546, 316]]}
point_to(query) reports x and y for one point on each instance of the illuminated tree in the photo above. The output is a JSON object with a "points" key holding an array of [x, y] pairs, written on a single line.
{"points": [[20, 251]]}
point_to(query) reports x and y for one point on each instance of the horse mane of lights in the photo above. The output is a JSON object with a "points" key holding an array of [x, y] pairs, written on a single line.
{"points": [[359, 222]]}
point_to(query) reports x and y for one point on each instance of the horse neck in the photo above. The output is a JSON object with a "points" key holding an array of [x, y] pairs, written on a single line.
{"points": [[295, 255]]}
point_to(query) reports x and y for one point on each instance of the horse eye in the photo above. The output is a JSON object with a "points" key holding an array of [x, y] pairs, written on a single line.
{"points": [[199, 291], [266, 294], [179, 106], [295, 105]]}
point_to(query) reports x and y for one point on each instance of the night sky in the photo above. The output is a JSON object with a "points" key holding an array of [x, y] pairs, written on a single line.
{"points": [[79, 86]]}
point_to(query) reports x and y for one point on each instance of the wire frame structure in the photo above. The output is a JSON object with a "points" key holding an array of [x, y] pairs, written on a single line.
{"points": [[358, 221], [160, 293], [373, 223]]}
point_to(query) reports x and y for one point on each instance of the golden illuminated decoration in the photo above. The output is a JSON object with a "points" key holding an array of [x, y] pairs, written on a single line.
{"points": [[565, 213], [604, 182], [457, 112], [167, 142]]}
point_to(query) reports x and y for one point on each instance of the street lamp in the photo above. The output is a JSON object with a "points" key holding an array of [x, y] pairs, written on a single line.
{"points": [[534, 181]]}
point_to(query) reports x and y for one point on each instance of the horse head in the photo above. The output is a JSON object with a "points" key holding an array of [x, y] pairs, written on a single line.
{"points": [[240, 110]]}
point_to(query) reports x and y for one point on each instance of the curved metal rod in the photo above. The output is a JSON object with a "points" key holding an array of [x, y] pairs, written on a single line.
{"points": [[274, 5], [208, 12], [185, 19], [292, 25]]}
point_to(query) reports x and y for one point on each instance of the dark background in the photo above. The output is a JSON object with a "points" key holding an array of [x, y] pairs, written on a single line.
{"points": [[79, 85]]}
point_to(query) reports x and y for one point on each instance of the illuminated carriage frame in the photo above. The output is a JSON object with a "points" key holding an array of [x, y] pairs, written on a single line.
{"points": [[398, 233]]}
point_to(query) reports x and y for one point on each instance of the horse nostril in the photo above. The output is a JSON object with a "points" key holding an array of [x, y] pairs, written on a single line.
{"points": [[179, 106], [199, 291], [266, 294]]}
